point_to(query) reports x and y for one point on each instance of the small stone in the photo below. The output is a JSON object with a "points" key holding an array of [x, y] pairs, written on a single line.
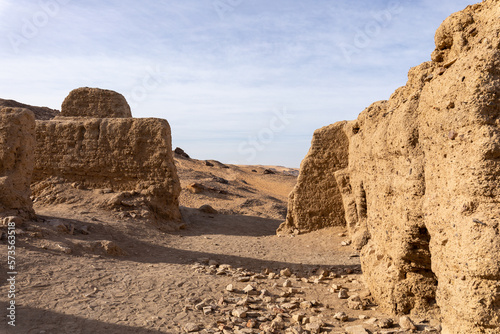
{"points": [[371, 321], [242, 302], [191, 327], [196, 188], [314, 327], [323, 273], [343, 294], [345, 243], [355, 303], [306, 305], [267, 299], [252, 323], [264, 293], [239, 313], [341, 316], [64, 249], [430, 329], [289, 306], [208, 209], [297, 317], [294, 330], [406, 323], [207, 310], [356, 330], [287, 283], [243, 279], [278, 323], [286, 272], [59, 226], [248, 288], [385, 323]]}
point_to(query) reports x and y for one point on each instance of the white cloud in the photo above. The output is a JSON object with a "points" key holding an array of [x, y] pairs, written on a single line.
{"points": [[217, 80]]}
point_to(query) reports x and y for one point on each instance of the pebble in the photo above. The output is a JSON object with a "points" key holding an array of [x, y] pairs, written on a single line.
{"points": [[405, 322], [343, 294], [286, 272], [248, 288], [385, 323], [290, 306], [355, 303], [313, 328], [239, 313], [297, 317], [341, 316], [64, 249], [356, 330], [252, 323], [276, 311], [191, 327]]}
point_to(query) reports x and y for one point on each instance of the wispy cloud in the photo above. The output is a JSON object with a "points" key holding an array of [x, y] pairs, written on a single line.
{"points": [[218, 79]]}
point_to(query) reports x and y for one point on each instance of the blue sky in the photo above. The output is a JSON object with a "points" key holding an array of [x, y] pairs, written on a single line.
{"points": [[239, 81]]}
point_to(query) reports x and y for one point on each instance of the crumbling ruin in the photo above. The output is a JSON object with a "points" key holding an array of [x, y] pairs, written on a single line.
{"points": [[420, 192], [316, 201], [126, 158], [17, 142]]}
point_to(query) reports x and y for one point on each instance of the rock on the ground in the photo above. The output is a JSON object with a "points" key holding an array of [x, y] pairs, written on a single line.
{"points": [[191, 327], [208, 209], [407, 323], [356, 330], [95, 103], [17, 143]]}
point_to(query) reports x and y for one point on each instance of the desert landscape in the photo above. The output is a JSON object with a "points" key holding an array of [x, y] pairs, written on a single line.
{"points": [[391, 224]]}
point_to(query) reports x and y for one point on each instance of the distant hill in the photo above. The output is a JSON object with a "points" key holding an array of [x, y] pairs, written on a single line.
{"points": [[42, 113]]}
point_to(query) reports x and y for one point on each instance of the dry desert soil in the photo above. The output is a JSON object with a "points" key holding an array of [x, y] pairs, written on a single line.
{"points": [[85, 270]]}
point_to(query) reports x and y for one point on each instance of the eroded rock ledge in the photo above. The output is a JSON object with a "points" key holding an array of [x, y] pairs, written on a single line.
{"points": [[420, 192], [127, 158]]}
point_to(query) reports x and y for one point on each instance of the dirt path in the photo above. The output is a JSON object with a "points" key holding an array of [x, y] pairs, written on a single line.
{"points": [[84, 270]]}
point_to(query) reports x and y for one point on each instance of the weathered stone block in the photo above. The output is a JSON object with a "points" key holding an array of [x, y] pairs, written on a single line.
{"points": [[316, 202], [95, 102], [125, 154], [17, 144]]}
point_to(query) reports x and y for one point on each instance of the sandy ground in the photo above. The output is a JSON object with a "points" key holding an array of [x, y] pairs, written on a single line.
{"points": [[85, 270]]}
